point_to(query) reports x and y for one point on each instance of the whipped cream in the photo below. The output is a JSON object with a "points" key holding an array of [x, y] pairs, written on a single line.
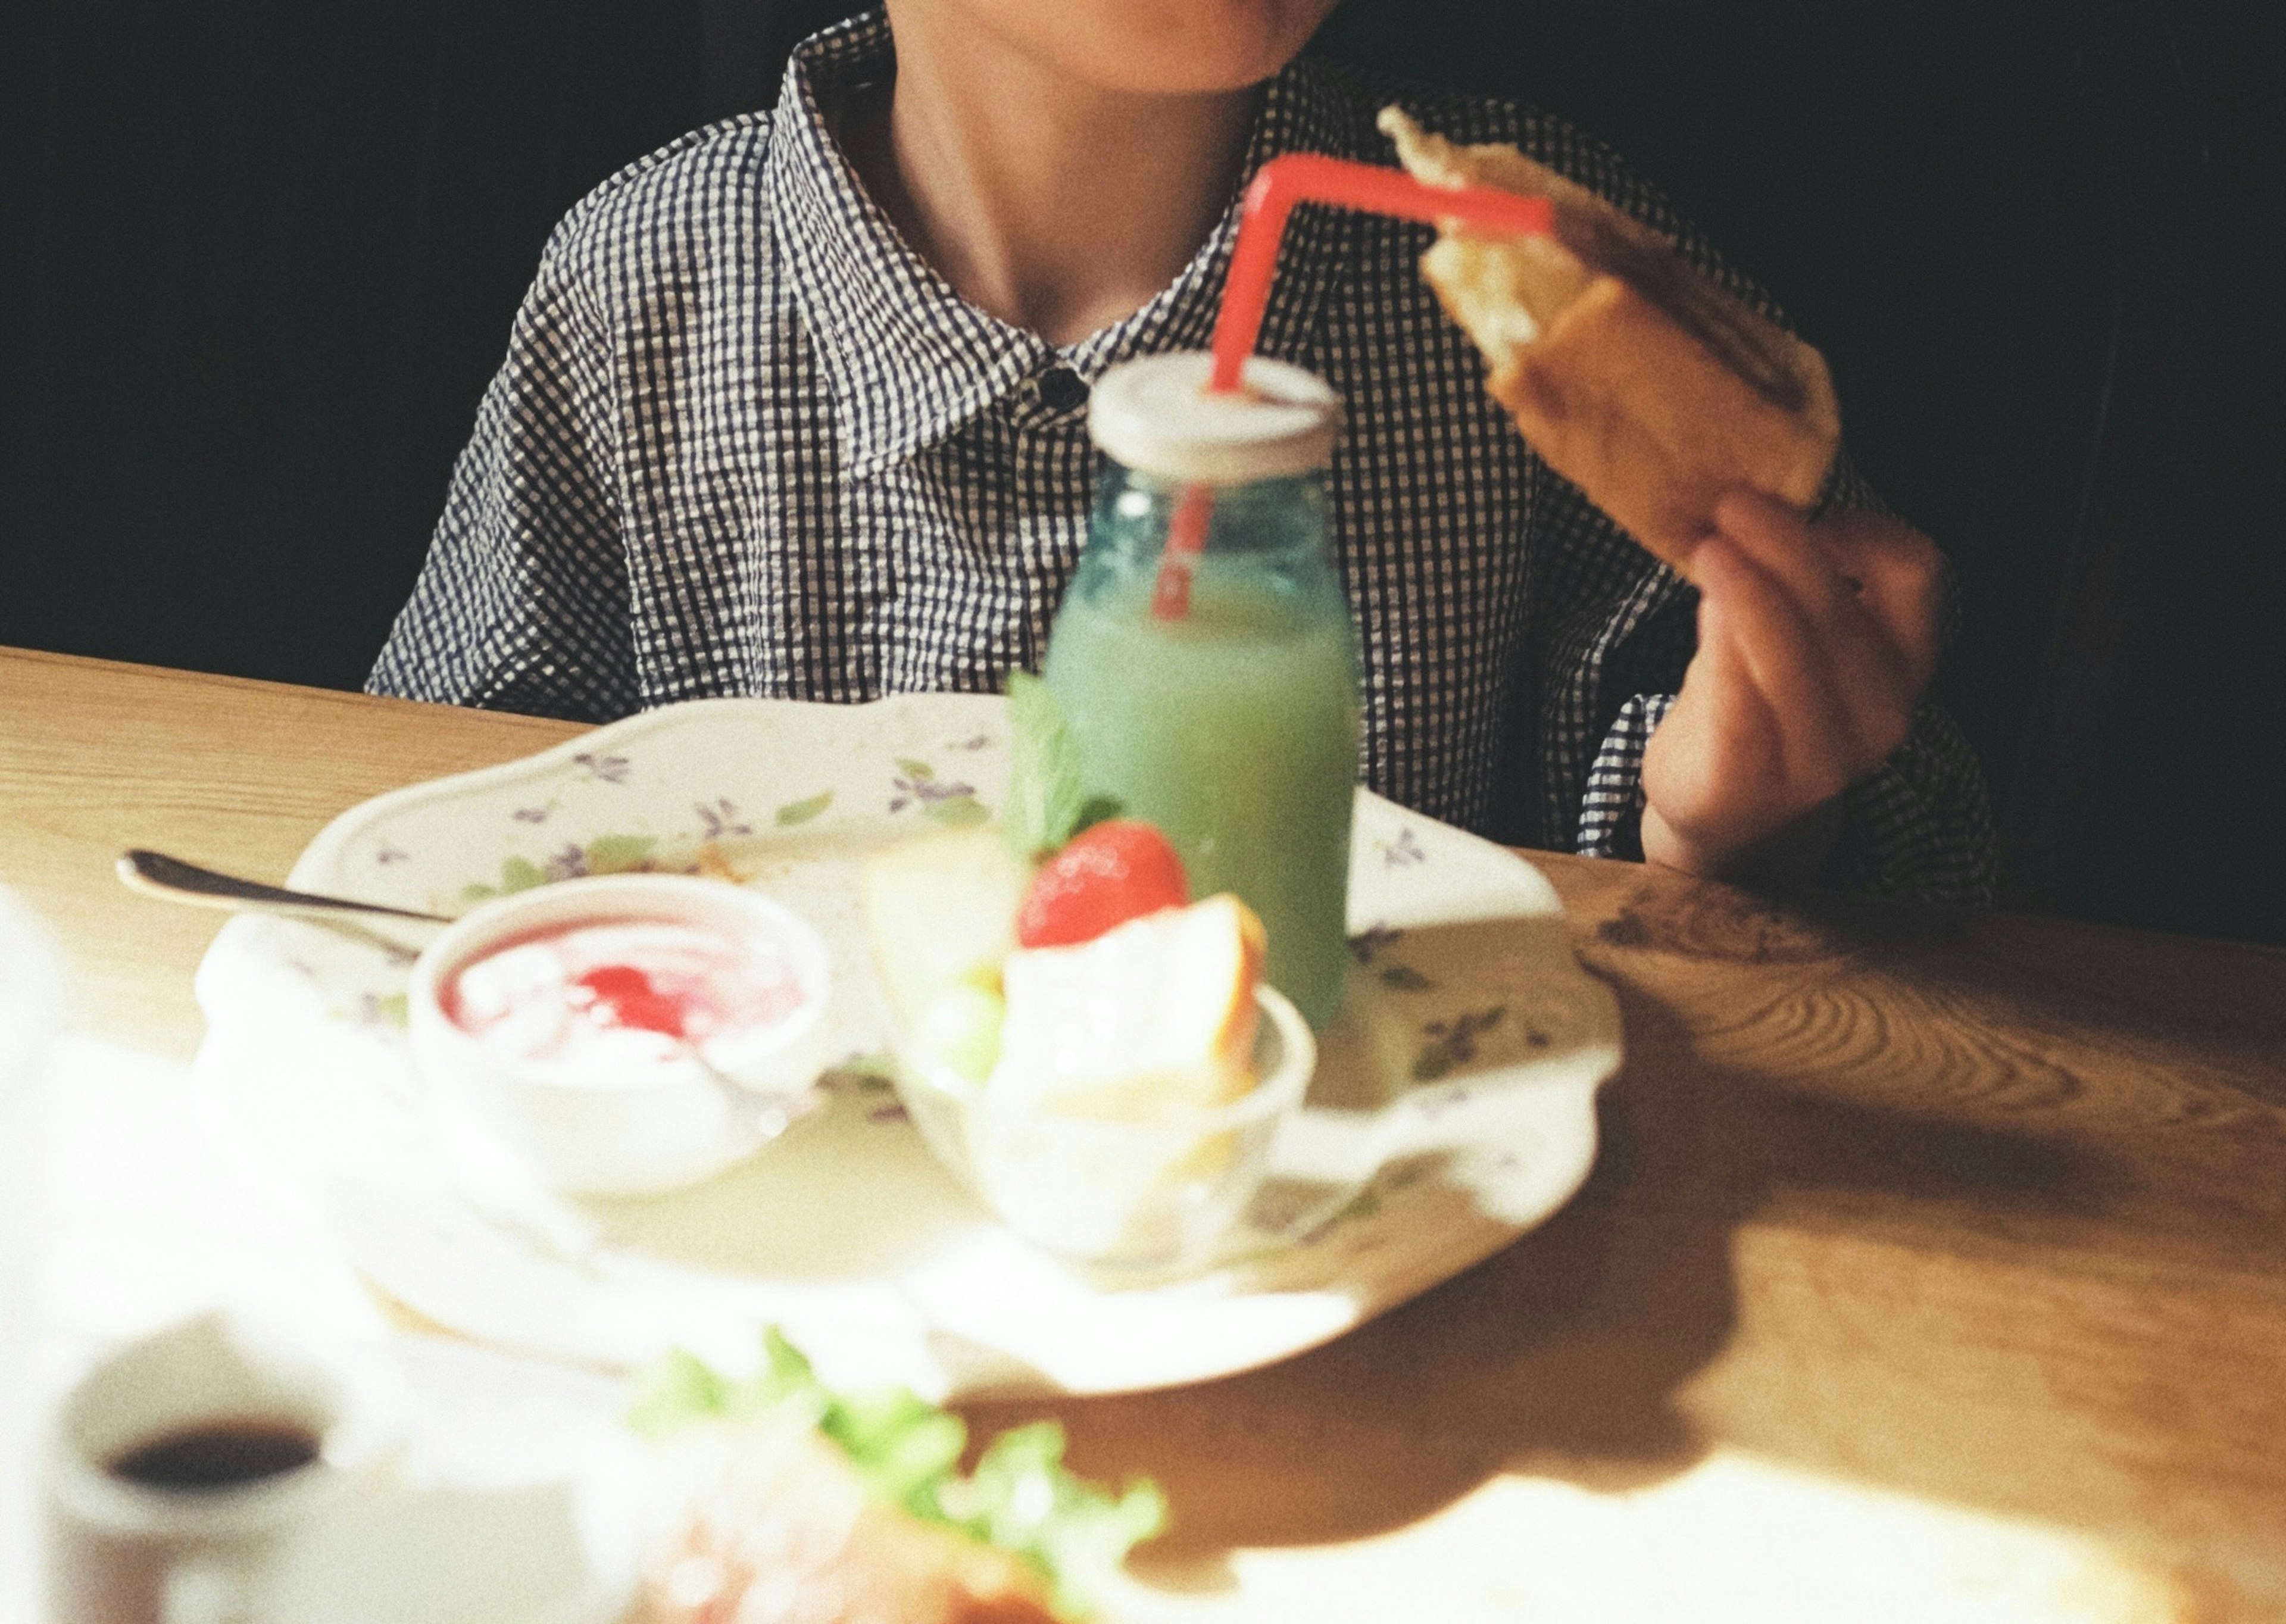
{"points": [[609, 1001]]}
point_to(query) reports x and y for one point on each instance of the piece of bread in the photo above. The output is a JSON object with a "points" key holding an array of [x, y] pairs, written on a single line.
{"points": [[1633, 375]]}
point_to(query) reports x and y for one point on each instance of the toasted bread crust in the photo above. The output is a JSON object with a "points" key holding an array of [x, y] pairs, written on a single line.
{"points": [[1633, 375]]}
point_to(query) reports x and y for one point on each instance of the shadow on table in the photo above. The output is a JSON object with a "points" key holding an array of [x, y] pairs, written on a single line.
{"points": [[1565, 1355], [1558, 1355]]}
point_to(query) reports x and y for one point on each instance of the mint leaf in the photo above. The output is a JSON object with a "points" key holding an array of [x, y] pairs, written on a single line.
{"points": [[1096, 810], [1045, 797]]}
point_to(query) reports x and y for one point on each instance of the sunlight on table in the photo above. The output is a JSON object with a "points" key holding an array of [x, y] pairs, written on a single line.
{"points": [[1734, 1539]]}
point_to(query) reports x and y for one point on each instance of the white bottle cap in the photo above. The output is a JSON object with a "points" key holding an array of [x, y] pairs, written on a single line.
{"points": [[1156, 416]]}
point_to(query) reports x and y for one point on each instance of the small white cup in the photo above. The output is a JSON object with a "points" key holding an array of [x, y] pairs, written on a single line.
{"points": [[672, 1127], [133, 1549]]}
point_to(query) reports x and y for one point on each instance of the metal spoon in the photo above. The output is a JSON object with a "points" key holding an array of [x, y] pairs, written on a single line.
{"points": [[761, 1116], [157, 874]]}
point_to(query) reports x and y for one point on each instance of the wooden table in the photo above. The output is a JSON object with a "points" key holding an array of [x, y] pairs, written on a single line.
{"points": [[1911, 1241]]}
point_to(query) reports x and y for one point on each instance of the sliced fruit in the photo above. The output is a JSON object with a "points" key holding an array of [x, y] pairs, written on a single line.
{"points": [[940, 914], [1157, 1015], [1103, 877], [961, 1029]]}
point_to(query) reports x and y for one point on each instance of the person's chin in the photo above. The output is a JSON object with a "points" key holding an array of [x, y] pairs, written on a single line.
{"points": [[1215, 79], [1152, 50]]}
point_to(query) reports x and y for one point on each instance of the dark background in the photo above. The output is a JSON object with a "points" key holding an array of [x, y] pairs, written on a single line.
{"points": [[259, 258]]}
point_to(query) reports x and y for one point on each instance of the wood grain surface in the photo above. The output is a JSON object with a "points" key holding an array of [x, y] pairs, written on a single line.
{"points": [[1975, 1225], [97, 756]]}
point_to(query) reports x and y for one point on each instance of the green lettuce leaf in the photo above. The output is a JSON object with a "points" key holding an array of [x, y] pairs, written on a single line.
{"points": [[1021, 1498]]}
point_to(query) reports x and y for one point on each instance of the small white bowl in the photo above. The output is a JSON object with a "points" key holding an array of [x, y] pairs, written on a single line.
{"points": [[668, 1124]]}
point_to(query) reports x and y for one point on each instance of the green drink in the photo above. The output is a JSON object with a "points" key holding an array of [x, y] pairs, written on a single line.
{"points": [[1230, 718]]}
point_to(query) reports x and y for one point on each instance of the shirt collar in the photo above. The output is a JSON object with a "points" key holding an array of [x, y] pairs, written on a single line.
{"points": [[907, 360]]}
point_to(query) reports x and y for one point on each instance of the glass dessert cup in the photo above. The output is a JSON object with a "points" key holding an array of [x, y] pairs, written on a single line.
{"points": [[1124, 1195]]}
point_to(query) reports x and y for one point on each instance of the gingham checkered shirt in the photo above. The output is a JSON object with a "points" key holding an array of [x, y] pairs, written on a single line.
{"points": [[745, 441]]}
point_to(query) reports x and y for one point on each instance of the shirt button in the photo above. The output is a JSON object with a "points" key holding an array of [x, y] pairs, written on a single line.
{"points": [[1062, 390]]}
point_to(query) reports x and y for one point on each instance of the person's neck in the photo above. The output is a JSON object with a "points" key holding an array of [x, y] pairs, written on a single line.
{"points": [[1056, 207]]}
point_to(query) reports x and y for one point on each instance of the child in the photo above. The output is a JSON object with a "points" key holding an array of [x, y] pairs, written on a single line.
{"points": [[797, 407]]}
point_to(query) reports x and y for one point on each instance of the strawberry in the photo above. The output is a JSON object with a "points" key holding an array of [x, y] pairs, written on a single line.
{"points": [[1117, 871]]}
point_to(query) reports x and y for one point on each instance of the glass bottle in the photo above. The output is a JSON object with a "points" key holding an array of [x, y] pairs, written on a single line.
{"points": [[1211, 681]]}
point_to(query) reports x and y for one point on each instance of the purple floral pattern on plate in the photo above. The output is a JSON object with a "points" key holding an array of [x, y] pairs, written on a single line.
{"points": [[953, 804], [1404, 852], [720, 821], [609, 769]]}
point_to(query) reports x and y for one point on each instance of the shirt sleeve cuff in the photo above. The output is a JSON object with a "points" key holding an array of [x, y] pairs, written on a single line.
{"points": [[1917, 829], [1610, 814]]}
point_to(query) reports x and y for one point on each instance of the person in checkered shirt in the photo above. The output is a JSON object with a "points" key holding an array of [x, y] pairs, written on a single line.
{"points": [[796, 408]]}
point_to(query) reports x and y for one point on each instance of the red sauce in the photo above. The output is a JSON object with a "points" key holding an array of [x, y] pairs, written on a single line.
{"points": [[598, 996], [624, 995]]}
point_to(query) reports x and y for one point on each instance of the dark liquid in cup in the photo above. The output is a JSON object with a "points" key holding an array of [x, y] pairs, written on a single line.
{"points": [[217, 1454]]}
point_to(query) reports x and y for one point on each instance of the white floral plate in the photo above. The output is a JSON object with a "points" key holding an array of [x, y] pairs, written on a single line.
{"points": [[1454, 1108]]}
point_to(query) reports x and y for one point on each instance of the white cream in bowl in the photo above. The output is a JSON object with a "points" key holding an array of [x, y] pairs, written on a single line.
{"points": [[597, 1028]]}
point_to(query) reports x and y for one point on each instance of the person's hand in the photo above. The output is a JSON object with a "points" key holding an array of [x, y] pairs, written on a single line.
{"points": [[1815, 642]]}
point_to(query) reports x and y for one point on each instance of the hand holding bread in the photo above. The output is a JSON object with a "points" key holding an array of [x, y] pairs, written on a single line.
{"points": [[1815, 644], [1706, 431]]}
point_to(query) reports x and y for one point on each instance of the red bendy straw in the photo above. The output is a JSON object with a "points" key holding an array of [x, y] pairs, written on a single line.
{"points": [[1277, 186], [1187, 538], [1312, 178]]}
